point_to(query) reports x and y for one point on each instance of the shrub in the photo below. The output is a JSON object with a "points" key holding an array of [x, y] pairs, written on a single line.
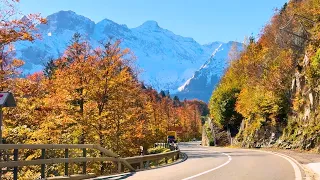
{"points": [[158, 150]]}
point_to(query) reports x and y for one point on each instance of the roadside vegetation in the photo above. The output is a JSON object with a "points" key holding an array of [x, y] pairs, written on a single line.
{"points": [[157, 150], [86, 96], [269, 96]]}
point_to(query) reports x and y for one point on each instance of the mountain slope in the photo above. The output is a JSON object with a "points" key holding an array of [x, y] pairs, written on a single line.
{"points": [[167, 60], [202, 83]]}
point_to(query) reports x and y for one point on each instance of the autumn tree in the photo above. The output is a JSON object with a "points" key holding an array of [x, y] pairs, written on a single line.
{"points": [[13, 30], [70, 84], [85, 96]]}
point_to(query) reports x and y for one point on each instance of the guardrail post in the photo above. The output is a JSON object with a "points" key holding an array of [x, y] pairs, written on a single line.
{"points": [[0, 168], [43, 166], [147, 164], [119, 166], [15, 169], [178, 156], [166, 160], [84, 167], [141, 164], [66, 165]]}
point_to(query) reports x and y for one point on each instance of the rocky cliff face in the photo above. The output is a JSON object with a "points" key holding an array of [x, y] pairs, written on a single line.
{"points": [[212, 135], [303, 129]]}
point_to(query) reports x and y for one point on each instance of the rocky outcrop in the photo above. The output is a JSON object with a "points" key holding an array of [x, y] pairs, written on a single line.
{"points": [[266, 136], [212, 135], [303, 130], [205, 140], [296, 132]]}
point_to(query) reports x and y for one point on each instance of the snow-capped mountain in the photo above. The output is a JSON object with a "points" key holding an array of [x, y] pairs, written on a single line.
{"points": [[202, 83], [167, 60]]}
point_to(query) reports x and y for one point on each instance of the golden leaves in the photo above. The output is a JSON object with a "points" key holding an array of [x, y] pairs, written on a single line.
{"points": [[17, 63], [91, 96]]}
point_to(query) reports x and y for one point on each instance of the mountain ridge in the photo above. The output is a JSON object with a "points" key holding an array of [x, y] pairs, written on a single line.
{"points": [[168, 60]]}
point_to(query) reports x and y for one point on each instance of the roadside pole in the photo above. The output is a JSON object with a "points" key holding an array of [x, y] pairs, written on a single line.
{"points": [[1, 127], [6, 100]]}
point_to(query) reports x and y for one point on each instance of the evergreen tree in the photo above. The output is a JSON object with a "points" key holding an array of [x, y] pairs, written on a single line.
{"points": [[162, 94], [176, 101], [283, 9], [49, 68]]}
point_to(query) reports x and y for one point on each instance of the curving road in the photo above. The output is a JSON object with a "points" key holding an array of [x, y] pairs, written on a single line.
{"points": [[222, 164]]}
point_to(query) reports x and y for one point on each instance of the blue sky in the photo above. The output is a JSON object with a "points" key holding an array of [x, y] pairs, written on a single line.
{"points": [[204, 20]]}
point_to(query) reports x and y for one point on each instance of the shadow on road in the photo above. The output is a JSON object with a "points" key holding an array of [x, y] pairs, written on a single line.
{"points": [[209, 154], [116, 177]]}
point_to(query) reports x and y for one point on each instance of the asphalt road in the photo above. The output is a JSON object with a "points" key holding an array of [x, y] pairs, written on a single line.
{"points": [[222, 164]]}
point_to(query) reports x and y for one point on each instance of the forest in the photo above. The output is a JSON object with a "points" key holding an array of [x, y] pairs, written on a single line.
{"points": [[86, 96]]}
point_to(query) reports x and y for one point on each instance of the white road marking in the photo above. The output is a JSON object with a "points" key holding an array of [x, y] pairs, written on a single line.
{"points": [[293, 162], [210, 170]]}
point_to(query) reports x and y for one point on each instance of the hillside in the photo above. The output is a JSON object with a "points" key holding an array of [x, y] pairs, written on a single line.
{"points": [[270, 95], [204, 80]]}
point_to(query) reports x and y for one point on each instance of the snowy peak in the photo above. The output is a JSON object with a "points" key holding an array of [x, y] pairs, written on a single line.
{"points": [[150, 25], [67, 15], [107, 28], [68, 20], [108, 22]]}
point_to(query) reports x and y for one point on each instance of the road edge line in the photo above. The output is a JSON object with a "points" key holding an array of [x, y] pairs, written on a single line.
{"points": [[308, 172], [213, 169], [294, 163]]}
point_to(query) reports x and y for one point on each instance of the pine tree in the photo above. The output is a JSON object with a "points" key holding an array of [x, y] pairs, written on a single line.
{"points": [[49, 68]]}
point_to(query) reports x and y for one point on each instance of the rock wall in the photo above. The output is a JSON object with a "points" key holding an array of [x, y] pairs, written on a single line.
{"points": [[303, 130], [212, 135], [205, 139]]}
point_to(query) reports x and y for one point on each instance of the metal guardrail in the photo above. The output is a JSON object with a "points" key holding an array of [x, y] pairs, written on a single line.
{"points": [[109, 156], [143, 162], [131, 163]]}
